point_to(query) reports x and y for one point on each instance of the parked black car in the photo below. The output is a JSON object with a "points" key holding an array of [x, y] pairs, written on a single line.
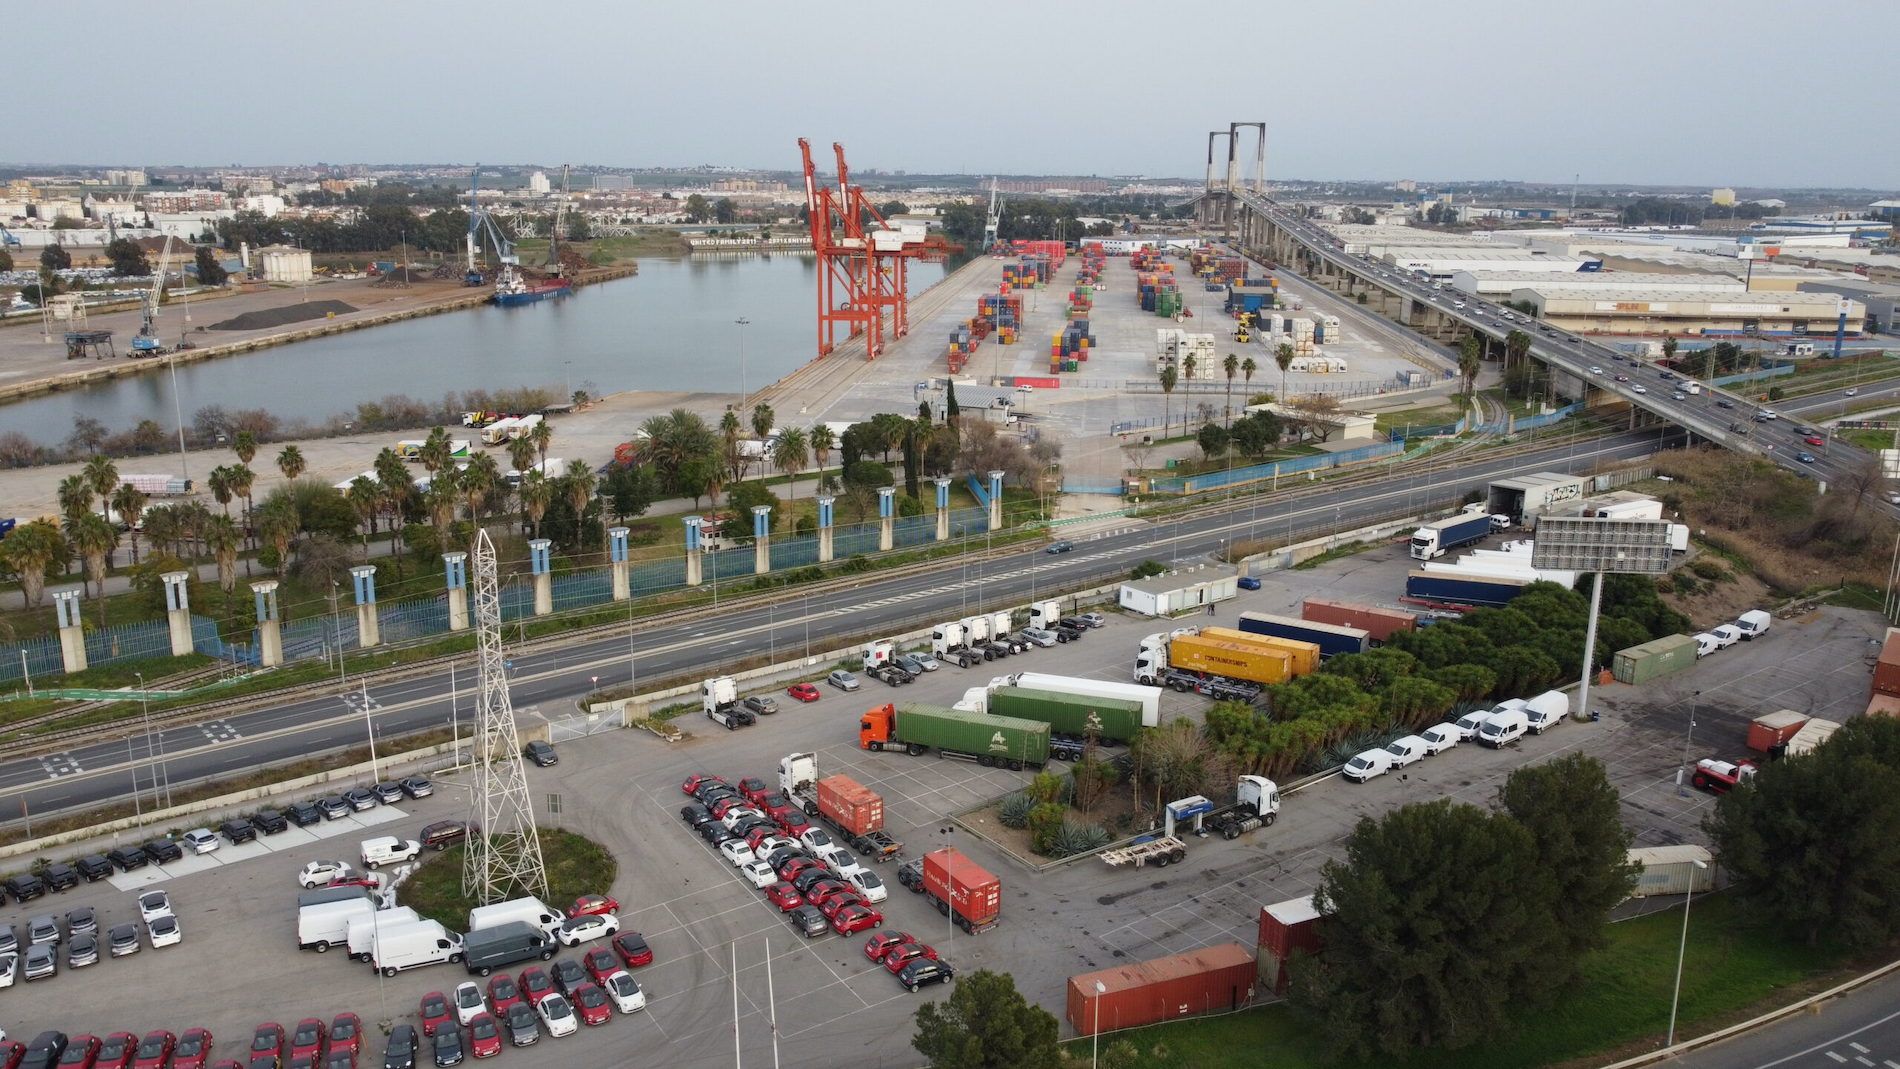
{"points": [[163, 850], [94, 867], [400, 1051], [924, 971], [269, 821], [695, 815], [304, 814], [60, 876], [128, 858], [24, 887], [44, 1052], [238, 830], [541, 754]]}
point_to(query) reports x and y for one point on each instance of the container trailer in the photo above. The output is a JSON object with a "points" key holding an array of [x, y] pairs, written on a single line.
{"points": [[960, 888], [1331, 639], [1438, 537], [1467, 590], [1113, 719], [1220, 667], [990, 741], [1146, 697]]}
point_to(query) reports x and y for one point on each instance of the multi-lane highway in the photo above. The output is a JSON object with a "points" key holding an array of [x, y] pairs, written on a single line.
{"points": [[550, 679], [1716, 415]]}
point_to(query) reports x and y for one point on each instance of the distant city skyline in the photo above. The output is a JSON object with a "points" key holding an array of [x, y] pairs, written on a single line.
{"points": [[1622, 93]]}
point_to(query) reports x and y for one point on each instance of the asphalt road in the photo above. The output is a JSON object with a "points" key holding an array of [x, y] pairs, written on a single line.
{"points": [[95, 773], [1702, 413], [1858, 1029]]}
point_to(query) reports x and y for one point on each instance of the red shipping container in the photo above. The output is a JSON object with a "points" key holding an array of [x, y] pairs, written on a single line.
{"points": [[855, 807], [1769, 732], [1289, 926], [1380, 623], [1212, 979], [972, 892], [1887, 668]]}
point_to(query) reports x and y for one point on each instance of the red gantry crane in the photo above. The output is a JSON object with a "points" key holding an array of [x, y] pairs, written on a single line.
{"points": [[861, 275]]}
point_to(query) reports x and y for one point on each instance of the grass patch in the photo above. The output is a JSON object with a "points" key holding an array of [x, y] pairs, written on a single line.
{"points": [[1732, 970], [1349, 549], [576, 865], [1417, 417], [1857, 596], [1872, 441]]}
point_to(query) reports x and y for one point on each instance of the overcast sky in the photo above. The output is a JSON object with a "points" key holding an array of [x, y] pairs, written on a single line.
{"points": [[1746, 93]]}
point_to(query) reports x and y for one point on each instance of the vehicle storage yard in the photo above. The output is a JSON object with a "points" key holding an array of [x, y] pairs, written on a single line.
{"points": [[696, 910]]}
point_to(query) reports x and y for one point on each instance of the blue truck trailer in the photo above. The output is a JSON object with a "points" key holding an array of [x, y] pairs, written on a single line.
{"points": [[1439, 536], [1331, 639], [1463, 589]]}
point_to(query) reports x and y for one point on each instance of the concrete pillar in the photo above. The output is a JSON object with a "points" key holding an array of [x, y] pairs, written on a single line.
{"points": [[761, 539], [824, 529], [543, 578], [455, 578], [368, 632], [996, 500], [72, 634], [943, 510], [694, 549], [270, 629], [886, 518], [617, 563], [177, 612]]}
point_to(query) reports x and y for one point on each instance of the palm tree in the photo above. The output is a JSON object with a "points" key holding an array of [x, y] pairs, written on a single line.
{"points": [[729, 432], [536, 493], [521, 454], [242, 479], [1169, 377], [129, 502], [103, 477], [395, 487], [93, 538], [28, 551], [279, 525], [221, 535], [792, 455], [1516, 345], [245, 446], [1187, 368], [1247, 368], [193, 518], [366, 501], [762, 420], [823, 442], [220, 483], [1283, 356], [162, 529], [75, 497], [542, 435], [1231, 365], [680, 442], [579, 484], [291, 463], [1469, 363], [480, 481]]}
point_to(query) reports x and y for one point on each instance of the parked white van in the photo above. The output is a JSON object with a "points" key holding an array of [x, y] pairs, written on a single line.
{"points": [[530, 910], [1753, 623], [1469, 723], [412, 945], [1367, 765], [1501, 728], [389, 850], [1546, 710], [1706, 644], [362, 935], [1407, 750], [1725, 636], [327, 924], [1441, 737]]}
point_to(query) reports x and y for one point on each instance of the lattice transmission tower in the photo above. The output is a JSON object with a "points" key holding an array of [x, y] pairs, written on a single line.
{"points": [[503, 860]]}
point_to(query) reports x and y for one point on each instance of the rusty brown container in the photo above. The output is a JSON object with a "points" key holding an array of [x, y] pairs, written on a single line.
{"points": [[1887, 668], [1381, 623], [855, 807], [1210, 980]]}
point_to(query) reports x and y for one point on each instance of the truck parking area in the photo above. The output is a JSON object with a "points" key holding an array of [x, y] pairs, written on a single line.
{"points": [[831, 1003]]}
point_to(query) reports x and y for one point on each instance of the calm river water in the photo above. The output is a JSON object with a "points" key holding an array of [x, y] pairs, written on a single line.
{"points": [[669, 328]]}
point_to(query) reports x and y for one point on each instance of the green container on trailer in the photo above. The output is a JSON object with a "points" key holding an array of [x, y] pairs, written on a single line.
{"points": [[1002, 737], [1073, 714], [1653, 659]]}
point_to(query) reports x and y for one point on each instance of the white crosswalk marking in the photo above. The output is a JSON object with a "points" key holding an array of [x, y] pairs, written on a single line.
{"points": [[1842, 1058], [60, 764]]}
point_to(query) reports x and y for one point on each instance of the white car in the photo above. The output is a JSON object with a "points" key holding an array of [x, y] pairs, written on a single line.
{"points": [[319, 873], [868, 885], [1367, 765], [815, 839], [736, 852], [1407, 750], [759, 873], [775, 842], [163, 931], [201, 840], [154, 904], [556, 1015], [468, 1002], [626, 994], [738, 813], [1594, 370], [1441, 737], [577, 930], [9, 968], [1640, 388]]}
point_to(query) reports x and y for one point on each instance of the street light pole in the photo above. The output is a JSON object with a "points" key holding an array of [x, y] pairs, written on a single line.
{"points": [[1095, 1045], [1682, 951], [744, 394]]}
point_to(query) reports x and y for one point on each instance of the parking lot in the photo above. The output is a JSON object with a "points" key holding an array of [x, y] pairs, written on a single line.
{"points": [[832, 1004]]}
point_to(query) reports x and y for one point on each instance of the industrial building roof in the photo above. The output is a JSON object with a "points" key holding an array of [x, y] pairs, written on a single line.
{"points": [[1611, 279], [1493, 251], [1171, 581], [1787, 300]]}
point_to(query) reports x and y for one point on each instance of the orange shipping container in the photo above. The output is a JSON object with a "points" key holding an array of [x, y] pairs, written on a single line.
{"points": [[1302, 657], [1212, 979], [1380, 623], [1887, 668], [975, 895], [855, 807]]}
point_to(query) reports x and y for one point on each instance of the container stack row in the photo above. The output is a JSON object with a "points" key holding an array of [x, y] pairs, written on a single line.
{"points": [[963, 344], [1069, 348]]}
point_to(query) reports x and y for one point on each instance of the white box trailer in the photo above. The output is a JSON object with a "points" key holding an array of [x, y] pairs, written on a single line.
{"points": [[1148, 697], [1672, 870]]}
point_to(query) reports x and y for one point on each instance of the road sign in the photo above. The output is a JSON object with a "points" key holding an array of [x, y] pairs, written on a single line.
{"points": [[1600, 544]]}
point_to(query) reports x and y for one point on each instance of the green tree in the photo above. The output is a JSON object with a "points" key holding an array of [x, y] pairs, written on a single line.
{"points": [[28, 552], [675, 443], [222, 539], [1212, 439], [1810, 843], [55, 258], [102, 477], [128, 258], [1469, 362], [210, 271], [1169, 379], [630, 490], [290, 461], [1517, 345], [1574, 817], [541, 434], [1231, 365], [278, 526], [1283, 358], [92, 539], [1256, 433], [1247, 368], [1440, 932], [951, 411], [578, 485], [893, 207], [986, 1024], [696, 208], [724, 210], [822, 443], [75, 496]]}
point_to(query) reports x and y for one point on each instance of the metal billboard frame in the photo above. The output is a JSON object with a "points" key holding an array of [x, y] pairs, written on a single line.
{"points": [[1599, 545]]}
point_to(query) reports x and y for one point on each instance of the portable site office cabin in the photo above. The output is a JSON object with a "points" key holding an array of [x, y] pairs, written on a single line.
{"points": [[1176, 592]]}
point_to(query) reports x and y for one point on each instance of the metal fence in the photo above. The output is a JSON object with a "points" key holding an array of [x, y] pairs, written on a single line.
{"points": [[1754, 376], [1216, 480]]}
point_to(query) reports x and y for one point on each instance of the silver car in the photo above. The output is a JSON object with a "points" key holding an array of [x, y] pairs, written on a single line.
{"points": [[1038, 636], [81, 951], [42, 930], [843, 680], [41, 962]]}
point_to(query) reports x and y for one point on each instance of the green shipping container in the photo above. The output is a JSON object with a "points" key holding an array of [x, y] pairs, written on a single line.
{"points": [[987, 738], [1654, 659], [1073, 714]]}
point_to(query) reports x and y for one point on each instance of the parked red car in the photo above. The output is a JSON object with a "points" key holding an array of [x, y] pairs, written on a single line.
{"points": [[267, 1042], [793, 866], [633, 949], [784, 896], [804, 692], [115, 1051], [905, 953], [592, 906], [828, 891], [590, 1002], [154, 1050], [435, 1011], [346, 1033], [600, 964], [536, 984], [754, 789], [193, 1050], [81, 1051], [697, 780], [307, 1039], [793, 822], [502, 993], [884, 942], [484, 1036], [853, 917]]}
